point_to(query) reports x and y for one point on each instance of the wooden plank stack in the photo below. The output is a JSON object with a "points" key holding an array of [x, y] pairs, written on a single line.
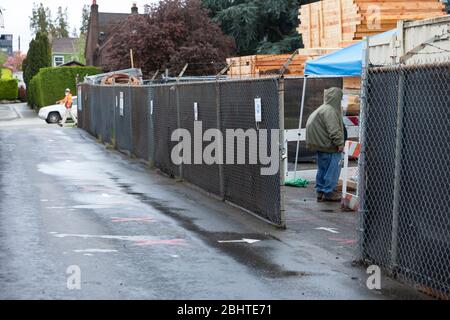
{"points": [[339, 23], [267, 65]]}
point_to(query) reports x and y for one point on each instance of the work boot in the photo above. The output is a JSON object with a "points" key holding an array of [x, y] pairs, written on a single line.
{"points": [[319, 196], [332, 197]]}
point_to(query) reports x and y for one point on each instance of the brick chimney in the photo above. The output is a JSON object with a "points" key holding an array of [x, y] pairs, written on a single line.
{"points": [[94, 6], [93, 34], [134, 9]]}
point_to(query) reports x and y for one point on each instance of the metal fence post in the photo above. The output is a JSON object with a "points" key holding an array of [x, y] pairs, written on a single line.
{"points": [[114, 103], [397, 170], [177, 101], [362, 140], [219, 127], [151, 141], [283, 152], [177, 98]]}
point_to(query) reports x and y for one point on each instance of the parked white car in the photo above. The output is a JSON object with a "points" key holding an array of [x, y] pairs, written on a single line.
{"points": [[55, 113]]}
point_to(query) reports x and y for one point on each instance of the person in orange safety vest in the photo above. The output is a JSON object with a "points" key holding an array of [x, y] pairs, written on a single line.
{"points": [[67, 102]]}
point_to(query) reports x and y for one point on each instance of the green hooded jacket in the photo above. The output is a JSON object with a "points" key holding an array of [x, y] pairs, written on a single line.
{"points": [[325, 126]]}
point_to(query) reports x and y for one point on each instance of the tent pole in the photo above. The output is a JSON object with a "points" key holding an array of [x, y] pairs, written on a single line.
{"points": [[300, 125]]}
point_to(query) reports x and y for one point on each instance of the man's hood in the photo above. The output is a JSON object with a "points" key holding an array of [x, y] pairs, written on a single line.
{"points": [[333, 97]]}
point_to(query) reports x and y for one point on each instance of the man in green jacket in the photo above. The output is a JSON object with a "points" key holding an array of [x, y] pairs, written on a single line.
{"points": [[325, 134]]}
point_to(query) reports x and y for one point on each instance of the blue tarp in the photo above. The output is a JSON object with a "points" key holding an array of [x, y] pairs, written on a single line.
{"points": [[346, 62]]}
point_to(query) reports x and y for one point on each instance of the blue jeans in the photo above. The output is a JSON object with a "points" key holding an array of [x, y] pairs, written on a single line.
{"points": [[328, 172]]}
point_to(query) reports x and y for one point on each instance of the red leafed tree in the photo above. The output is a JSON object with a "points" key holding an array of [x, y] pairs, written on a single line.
{"points": [[173, 33], [15, 61]]}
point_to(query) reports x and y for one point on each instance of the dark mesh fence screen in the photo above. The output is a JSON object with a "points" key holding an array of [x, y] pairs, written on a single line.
{"points": [[204, 96], [141, 120], [244, 184]]}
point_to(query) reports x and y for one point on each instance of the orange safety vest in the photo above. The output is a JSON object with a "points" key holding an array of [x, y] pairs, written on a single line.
{"points": [[68, 101]]}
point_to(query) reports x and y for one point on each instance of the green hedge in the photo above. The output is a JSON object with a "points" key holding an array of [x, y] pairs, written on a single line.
{"points": [[49, 84], [6, 74], [9, 87]]}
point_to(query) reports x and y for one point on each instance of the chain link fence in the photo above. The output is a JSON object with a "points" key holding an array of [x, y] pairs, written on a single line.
{"points": [[141, 120], [259, 192], [404, 174]]}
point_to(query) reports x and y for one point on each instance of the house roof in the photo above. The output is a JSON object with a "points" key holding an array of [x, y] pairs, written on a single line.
{"points": [[108, 21], [116, 29], [64, 45], [72, 63]]}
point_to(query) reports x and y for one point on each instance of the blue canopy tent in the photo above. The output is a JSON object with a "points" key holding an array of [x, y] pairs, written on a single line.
{"points": [[346, 62]]}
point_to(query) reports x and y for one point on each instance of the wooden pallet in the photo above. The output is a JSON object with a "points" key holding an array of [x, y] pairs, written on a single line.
{"points": [[338, 23]]}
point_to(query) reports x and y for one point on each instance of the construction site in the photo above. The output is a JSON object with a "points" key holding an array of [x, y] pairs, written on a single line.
{"points": [[390, 59]]}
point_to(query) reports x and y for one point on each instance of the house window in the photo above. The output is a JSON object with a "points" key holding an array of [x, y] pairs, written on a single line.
{"points": [[58, 60]]}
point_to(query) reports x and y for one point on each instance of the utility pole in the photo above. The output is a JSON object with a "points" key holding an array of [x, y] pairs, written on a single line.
{"points": [[19, 44]]}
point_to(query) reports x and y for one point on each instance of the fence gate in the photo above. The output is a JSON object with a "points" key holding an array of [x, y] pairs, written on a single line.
{"points": [[405, 217]]}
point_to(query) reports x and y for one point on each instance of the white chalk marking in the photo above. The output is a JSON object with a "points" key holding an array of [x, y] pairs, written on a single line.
{"points": [[249, 241], [140, 240], [332, 230], [94, 251]]}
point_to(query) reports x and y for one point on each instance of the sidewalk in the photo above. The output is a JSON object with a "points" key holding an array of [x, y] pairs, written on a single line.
{"points": [[18, 114], [7, 112]]}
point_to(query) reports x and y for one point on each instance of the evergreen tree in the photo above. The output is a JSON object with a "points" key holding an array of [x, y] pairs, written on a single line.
{"points": [[61, 26], [39, 56], [85, 19], [80, 46], [74, 33], [41, 20], [259, 26]]}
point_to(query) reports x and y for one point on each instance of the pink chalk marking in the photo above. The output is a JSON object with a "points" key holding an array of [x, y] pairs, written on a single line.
{"points": [[137, 219], [174, 242], [343, 241]]}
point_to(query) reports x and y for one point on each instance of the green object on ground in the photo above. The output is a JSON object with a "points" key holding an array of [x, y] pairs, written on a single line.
{"points": [[299, 183]]}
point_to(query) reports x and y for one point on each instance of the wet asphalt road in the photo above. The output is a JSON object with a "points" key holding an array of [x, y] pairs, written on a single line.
{"points": [[135, 234]]}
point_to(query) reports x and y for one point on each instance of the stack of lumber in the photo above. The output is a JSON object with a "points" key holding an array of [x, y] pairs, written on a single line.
{"points": [[266, 65], [339, 23]]}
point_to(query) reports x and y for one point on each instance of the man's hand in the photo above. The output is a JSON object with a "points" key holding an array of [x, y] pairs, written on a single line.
{"points": [[341, 149]]}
